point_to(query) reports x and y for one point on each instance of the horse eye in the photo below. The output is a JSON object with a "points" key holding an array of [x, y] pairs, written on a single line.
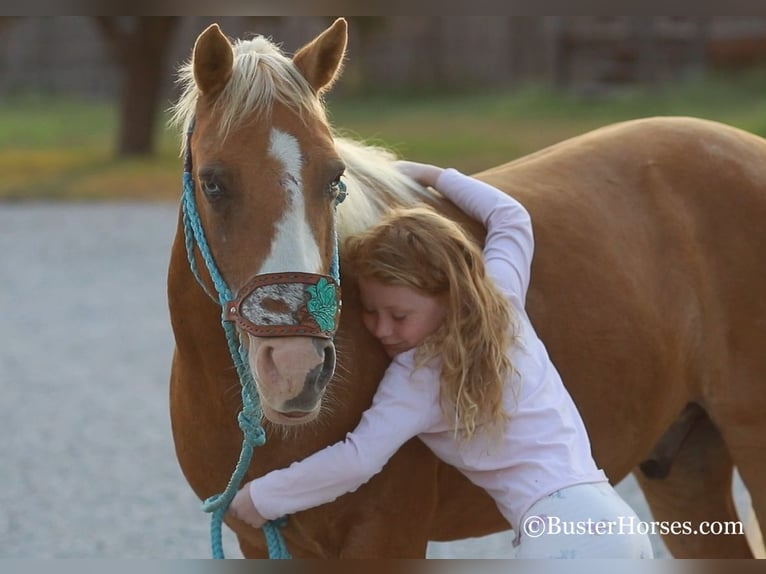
{"points": [[337, 188], [211, 188]]}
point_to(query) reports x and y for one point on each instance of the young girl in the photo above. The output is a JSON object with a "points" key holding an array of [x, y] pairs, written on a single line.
{"points": [[469, 377]]}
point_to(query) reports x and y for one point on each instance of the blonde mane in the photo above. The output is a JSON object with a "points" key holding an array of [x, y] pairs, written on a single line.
{"points": [[374, 186]]}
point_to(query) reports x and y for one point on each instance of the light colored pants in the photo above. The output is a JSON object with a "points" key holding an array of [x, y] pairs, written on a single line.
{"points": [[582, 521]]}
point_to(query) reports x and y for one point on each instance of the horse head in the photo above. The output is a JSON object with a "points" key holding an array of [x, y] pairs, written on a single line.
{"points": [[266, 178]]}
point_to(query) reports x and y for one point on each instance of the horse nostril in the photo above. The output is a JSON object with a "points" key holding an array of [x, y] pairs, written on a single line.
{"points": [[319, 377], [316, 379], [328, 366]]}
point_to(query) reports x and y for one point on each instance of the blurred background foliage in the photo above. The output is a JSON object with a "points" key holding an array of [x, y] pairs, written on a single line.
{"points": [[90, 122]]}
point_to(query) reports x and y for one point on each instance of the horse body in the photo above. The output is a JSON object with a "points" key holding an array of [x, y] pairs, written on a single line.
{"points": [[632, 249], [645, 288]]}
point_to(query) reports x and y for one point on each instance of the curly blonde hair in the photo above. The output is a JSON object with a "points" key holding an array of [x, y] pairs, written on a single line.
{"points": [[418, 248]]}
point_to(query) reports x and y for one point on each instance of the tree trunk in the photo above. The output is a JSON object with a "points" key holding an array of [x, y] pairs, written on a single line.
{"points": [[140, 46]]}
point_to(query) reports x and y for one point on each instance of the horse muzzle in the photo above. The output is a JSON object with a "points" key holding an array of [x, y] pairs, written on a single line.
{"points": [[291, 374], [290, 320]]}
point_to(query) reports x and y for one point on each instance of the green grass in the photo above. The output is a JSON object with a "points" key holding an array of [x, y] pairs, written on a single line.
{"points": [[63, 149]]}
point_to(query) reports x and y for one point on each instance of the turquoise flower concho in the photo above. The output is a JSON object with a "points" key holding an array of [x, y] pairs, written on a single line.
{"points": [[289, 304]]}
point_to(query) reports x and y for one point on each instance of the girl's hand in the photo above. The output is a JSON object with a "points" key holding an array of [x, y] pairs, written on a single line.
{"points": [[425, 174], [242, 508]]}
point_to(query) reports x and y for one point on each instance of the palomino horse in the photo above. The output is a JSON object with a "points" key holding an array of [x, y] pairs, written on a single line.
{"points": [[647, 287]]}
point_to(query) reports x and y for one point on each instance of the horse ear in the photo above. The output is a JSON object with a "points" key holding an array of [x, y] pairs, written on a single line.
{"points": [[213, 60], [321, 59]]}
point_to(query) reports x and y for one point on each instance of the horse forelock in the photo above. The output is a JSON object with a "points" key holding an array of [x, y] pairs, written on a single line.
{"points": [[262, 75], [374, 186]]}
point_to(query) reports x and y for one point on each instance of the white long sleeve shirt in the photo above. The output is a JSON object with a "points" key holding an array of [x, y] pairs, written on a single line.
{"points": [[545, 445]]}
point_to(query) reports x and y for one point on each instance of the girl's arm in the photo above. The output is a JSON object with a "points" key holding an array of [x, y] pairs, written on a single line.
{"points": [[509, 244], [400, 410]]}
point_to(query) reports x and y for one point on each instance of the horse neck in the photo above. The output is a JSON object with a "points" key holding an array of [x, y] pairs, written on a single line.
{"points": [[192, 311]]}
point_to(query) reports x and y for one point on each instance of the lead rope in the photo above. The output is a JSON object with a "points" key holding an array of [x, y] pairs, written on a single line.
{"points": [[250, 416]]}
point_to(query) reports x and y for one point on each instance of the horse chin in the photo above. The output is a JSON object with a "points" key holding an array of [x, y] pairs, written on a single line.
{"points": [[289, 418]]}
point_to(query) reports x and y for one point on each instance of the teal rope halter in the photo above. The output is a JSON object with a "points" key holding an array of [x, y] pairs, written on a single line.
{"points": [[250, 415]]}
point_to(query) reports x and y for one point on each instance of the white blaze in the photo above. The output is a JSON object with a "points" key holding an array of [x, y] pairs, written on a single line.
{"points": [[294, 247]]}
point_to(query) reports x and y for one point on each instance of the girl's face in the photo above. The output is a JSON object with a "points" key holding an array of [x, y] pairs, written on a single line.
{"points": [[398, 316]]}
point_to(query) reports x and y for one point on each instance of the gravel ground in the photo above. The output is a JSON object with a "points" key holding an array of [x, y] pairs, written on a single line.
{"points": [[88, 468]]}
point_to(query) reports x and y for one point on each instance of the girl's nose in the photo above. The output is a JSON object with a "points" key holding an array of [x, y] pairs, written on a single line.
{"points": [[382, 328]]}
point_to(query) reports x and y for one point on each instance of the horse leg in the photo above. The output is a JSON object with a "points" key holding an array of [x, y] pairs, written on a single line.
{"points": [[744, 435], [697, 489], [754, 534]]}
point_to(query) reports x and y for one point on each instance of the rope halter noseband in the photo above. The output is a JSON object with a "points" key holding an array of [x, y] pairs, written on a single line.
{"points": [[314, 310]]}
